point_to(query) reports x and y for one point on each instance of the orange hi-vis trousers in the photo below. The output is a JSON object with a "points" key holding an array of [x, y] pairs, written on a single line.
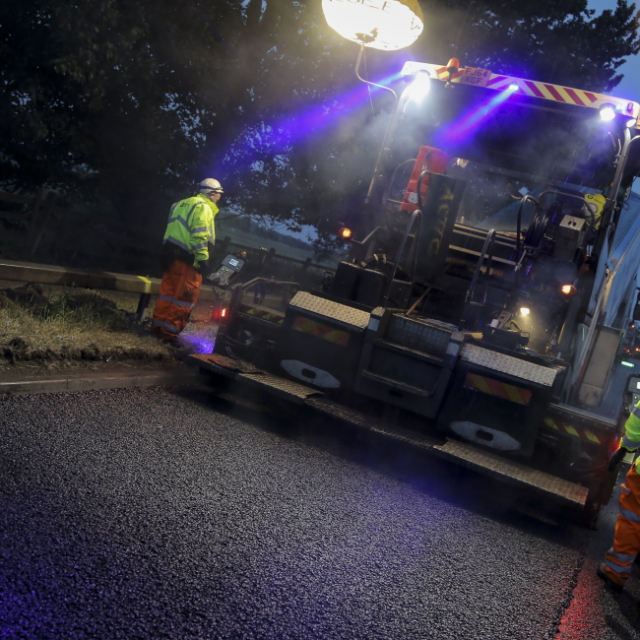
{"points": [[626, 539], [179, 291]]}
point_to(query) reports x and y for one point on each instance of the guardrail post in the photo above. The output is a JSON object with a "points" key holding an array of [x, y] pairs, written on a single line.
{"points": [[32, 224], [270, 255], [304, 275], [143, 303], [305, 265]]}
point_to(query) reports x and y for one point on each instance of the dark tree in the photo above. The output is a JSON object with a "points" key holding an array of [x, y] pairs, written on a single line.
{"points": [[559, 42], [125, 104]]}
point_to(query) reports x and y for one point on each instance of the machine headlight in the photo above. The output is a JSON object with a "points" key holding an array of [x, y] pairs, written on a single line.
{"points": [[607, 112], [420, 86]]}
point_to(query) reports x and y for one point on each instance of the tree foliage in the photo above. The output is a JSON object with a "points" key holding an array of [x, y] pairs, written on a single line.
{"points": [[128, 103], [559, 42]]}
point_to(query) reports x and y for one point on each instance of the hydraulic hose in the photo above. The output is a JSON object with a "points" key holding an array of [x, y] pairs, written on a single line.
{"points": [[396, 262], [488, 241]]}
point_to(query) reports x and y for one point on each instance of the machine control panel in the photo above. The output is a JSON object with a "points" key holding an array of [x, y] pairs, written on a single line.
{"points": [[229, 267], [633, 392]]}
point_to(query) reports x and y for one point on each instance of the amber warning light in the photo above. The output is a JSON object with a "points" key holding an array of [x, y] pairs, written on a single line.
{"points": [[345, 233], [568, 289]]}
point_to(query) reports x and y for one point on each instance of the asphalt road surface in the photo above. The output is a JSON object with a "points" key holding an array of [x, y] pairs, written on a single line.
{"points": [[166, 513]]}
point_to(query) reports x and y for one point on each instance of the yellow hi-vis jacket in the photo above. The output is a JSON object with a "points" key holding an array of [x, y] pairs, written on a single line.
{"points": [[191, 227], [631, 438]]}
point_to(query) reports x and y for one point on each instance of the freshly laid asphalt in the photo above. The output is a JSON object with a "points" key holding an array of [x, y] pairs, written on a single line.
{"points": [[149, 513]]}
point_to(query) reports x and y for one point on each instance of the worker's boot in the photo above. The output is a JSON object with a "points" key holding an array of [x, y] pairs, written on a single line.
{"points": [[602, 572]]}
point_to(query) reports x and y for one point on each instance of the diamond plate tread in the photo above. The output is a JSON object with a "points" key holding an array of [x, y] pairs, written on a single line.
{"points": [[279, 386], [508, 364], [334, 311], [502, 469], [207, 361]]}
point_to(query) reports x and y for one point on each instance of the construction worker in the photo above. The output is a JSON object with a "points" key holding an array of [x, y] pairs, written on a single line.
{"points": [[616, 569], [185, 258]]}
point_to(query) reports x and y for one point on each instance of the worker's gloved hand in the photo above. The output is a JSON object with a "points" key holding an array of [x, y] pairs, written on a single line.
{"points": [[617, 458], [205, 268]]}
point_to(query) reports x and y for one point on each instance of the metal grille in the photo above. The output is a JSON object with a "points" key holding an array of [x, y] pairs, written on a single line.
{"points": [[426, 336], [509, 365], [334, 311], [502, 469]]}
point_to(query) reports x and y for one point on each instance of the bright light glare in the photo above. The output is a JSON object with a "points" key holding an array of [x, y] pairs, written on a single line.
{"points": [[566, 289], [420, 86], [385, 24], [525, 311], [607, 113], [513, 87], [345, 233], [624, 363], [630, 123]]}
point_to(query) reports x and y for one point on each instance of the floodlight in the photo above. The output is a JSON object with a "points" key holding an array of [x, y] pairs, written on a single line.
{"points": [[381, 24]]}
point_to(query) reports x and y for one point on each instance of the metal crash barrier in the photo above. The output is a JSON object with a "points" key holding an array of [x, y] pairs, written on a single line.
{"points": [[89, 279]]}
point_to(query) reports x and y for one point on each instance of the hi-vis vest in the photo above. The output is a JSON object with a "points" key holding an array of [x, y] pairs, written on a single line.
{"points": [[631, 438], [595, 204], [191, 227]]}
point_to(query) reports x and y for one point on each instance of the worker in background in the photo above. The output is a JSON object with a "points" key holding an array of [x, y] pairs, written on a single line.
{"points": [[185, 258], [616, 569]]}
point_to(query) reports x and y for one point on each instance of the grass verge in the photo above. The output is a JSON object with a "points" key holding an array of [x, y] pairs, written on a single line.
{"points": [[50, 328]]}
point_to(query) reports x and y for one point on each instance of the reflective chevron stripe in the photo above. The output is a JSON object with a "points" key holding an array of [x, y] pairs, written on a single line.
{"points": [[573, 431], [263, 314], [321, 331], [495, 388], [541, 90]]}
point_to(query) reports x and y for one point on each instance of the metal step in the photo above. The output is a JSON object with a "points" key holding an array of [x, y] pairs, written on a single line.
{"points": [[513, 472], [246, 373]]}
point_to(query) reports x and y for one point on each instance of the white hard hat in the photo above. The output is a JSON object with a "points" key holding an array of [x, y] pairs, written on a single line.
{"points": [[210, 184]]}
